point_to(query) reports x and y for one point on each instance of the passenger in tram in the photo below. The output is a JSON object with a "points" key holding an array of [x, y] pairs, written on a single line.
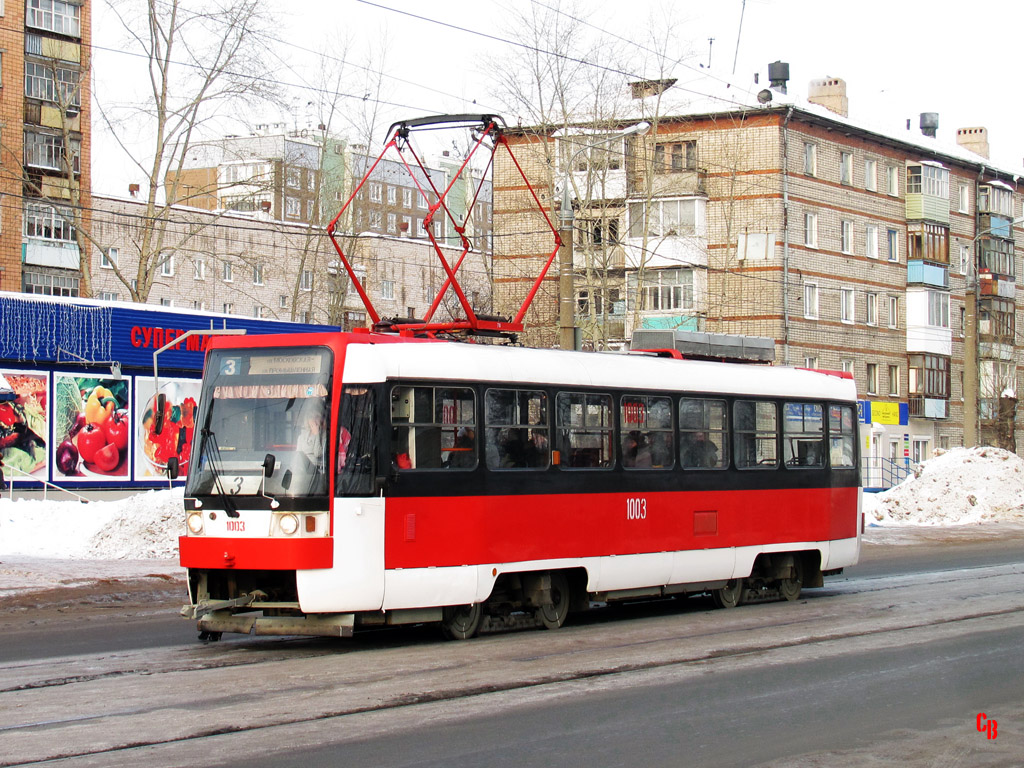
{"points": [[700, 452], [463, 453], [511, 450], [537, 450], [636, 451]]}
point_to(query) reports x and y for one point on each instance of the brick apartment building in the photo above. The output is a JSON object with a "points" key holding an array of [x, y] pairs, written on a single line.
{"points": [[44, 144], [852, 248]]}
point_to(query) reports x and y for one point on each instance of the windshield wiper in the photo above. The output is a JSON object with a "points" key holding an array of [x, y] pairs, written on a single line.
{"points": [[215, 460]]}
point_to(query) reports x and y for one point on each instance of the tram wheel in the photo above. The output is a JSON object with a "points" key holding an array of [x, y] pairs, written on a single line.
{"points": [[461, 622], [552, 615], [730, 595], [789, 589]]}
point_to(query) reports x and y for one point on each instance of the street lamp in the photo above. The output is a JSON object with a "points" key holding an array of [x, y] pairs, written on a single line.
{"points": [[566, 219], [972, 341]]}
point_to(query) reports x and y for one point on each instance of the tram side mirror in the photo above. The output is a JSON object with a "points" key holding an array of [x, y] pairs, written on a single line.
{"points": [[173, 470], [268, 465], [158, 417]]}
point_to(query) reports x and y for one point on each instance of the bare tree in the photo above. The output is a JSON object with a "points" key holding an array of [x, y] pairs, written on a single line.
{"points": [[203, 61]]}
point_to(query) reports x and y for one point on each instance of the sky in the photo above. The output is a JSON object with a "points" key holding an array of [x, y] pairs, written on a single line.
{"points": [[898, 58]]}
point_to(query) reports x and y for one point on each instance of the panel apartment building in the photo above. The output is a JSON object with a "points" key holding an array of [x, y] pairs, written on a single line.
{"points": [[44, 144], [890, 255]]}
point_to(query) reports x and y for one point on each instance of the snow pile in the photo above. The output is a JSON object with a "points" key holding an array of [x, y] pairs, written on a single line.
{"points": [[958, 487], [143, 526]]}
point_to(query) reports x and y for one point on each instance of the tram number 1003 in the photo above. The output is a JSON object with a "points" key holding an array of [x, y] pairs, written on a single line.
{"points": [[636, 509]]}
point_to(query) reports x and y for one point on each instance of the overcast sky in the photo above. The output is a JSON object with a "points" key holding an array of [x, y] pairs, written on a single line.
{"points": [[899, 57]]}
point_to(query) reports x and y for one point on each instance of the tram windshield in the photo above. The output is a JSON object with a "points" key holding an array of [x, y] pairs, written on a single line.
{"points": [[257, 403]]}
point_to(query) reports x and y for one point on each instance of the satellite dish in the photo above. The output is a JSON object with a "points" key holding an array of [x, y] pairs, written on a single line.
{"points": [[764, 96]]}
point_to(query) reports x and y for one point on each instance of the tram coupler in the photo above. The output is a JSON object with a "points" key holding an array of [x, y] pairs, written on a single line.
{"points": [[204, 607]]}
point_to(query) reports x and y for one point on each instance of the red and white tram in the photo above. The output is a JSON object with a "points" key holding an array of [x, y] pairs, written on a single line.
{"points": [[345, 480]]}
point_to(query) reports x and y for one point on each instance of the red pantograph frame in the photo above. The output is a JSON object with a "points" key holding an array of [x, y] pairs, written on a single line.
{"points": [[488, 126]]}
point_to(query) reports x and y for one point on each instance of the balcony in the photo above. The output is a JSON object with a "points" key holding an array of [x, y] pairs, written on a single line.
{"points": [[928, 407], [923, 273]]}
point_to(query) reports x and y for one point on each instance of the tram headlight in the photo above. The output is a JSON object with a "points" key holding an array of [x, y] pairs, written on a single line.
{"points": [[195, 522], [289, 524]]}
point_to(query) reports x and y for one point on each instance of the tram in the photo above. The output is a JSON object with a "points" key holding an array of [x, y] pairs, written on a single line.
{"points": [[348, 480]]}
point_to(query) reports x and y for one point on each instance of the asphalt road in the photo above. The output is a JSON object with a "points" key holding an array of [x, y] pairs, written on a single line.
{"points": [[891, 663]]}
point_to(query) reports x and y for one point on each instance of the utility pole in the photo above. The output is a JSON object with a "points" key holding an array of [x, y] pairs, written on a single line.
{"points": [[566, 280]]}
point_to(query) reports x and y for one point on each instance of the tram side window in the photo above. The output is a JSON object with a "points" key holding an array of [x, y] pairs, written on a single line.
{"points": [[841, 434], [703, 433], [354, 465], [755, 434], [584, 430], [645, 426], [803, 432], [433, 427], [516, 429]]}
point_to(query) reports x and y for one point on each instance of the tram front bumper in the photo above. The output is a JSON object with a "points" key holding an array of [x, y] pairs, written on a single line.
{"points": [[323, 624]]}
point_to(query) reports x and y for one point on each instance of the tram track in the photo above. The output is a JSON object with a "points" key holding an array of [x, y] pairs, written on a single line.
{"points": [[216, 692]]}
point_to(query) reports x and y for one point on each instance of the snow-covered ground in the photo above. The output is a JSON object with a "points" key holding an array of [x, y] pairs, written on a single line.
{"points": [[964, 486]]}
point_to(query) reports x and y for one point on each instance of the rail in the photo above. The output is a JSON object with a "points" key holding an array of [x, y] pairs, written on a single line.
{"points": [[46, 484], [880, 474]]}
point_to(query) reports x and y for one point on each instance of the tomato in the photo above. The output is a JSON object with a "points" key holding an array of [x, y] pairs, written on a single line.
{"points": [[90, 439], [107, 458], [116, 429]]}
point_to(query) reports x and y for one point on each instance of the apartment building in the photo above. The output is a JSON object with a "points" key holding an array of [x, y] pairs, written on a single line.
{"points": [[855, 249], [44, 144], [244, 264]]}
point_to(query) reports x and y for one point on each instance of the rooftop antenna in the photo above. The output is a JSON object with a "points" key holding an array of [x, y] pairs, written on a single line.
{"points": [[739, 32], [711, 42]]}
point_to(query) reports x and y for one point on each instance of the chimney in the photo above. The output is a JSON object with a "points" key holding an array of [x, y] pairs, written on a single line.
{"points": [[974, 139], [929, 123], [778, 75], [830, 93]]}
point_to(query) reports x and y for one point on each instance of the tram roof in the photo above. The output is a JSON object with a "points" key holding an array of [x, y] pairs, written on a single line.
{"points": [[521, 366]]}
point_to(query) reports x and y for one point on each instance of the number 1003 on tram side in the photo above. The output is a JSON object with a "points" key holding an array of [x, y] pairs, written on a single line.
{"points": [[347, 480]]}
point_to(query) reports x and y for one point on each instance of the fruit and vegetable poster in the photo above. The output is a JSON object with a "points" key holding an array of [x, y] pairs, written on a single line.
{"points": [[91, 429], [160, 439], [24, 426]]}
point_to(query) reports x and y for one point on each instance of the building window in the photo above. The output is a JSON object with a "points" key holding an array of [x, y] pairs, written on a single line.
{"points": [[894, 380], [292, 207], [846, 305], [167, 265], [392, 195], [258, 310], [811, 362], [108, 258], [54, 16], [871, 175], [667, 289], [392, 223], [673, 157], [227, 308], [282, 301], [928, 242], [892, 247], [996, 319], [811, 230], [49, 285], [965, 258], [993, 199], [927, 179], [665, 218], [109, 296], [376, 219], [48, 222], [892, 181], [306, 317], [306, 281], [227, 272], [894, 312], [810, 159], [166, 302], [846, 236], [387, 289], [46, 150], [872, 378], [293, 178], [52, 82], [375, 192], [845, 168], [407, 226], [257, 275], [938, 309], [871, 308], [929, 376], [847, 366], [199, 268], [811, 301], [871, 241], [407, 198], [965, 199]]}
